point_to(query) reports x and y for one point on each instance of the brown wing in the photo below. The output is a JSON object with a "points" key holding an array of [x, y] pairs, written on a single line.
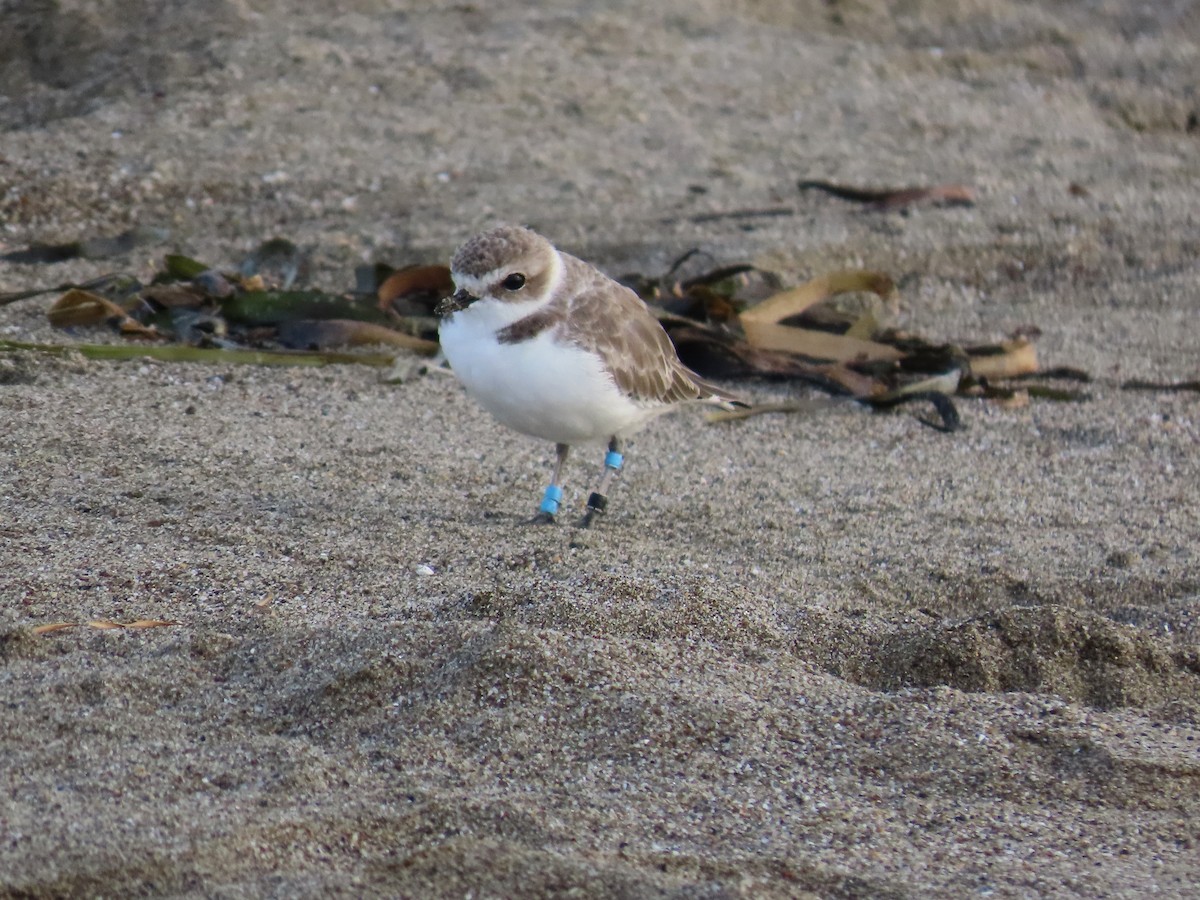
{"points": [[613, 322]]}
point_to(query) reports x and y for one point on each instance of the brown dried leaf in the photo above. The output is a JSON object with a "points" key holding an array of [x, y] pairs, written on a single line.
{"points": [[105, 625], [941, 194], [432, 280], [151, 623], [175, 295], [54, 626], [79, 307]]}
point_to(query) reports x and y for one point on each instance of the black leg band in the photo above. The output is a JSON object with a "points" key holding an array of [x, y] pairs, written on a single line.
{"points": [[597, 502]]}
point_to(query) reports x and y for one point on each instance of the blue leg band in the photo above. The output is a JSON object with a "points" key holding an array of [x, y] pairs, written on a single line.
{"points": [[613, 460], [551, 499]]}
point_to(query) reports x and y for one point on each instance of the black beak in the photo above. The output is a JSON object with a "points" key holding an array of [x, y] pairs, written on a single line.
{"points": [[452, 304]]}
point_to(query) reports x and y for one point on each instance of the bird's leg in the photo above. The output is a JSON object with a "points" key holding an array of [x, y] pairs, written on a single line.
{"points": [[598, 501], [553, 496]]}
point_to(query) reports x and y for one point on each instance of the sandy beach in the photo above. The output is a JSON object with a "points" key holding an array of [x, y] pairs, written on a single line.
{"points": [[831, 654]]}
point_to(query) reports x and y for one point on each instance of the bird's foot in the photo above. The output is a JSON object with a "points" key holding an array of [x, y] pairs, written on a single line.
{"points": [[596, 505], [549, 506]]}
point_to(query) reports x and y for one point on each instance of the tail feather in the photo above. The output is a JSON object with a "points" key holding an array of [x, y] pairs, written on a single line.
{"points": [[719, 397], [728, 404]]}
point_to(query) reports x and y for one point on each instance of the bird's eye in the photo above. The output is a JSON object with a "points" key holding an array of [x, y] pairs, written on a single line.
{"points": [[514, 282]]}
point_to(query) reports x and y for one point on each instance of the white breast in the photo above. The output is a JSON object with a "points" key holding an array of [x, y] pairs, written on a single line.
{"points": [[540, 387]]}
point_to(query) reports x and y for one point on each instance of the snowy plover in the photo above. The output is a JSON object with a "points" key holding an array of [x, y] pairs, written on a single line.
{"points": [[556, 350]]}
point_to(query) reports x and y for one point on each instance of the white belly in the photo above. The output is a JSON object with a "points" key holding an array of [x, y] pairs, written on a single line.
{"points": [[548, 390]]}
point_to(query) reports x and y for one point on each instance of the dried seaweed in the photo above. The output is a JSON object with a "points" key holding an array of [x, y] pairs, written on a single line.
{"points": [[1008, 359], [1138, 384], [211, 355], [948, 418], [249, 312], [725, 320], [804, 334], [896, 198]]}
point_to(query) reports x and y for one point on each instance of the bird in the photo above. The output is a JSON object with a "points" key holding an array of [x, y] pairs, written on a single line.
{"points": [[556, 350]]}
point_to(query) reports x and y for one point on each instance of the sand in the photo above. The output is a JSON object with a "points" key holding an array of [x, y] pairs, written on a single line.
{"points": [[835, 654]]}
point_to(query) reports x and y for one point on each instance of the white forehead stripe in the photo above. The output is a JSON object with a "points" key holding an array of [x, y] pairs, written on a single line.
{"points": [[469, 283], [479, 286]]}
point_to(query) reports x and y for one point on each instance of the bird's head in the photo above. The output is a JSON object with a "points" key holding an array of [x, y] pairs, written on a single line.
{"points": [[507, 264]]}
